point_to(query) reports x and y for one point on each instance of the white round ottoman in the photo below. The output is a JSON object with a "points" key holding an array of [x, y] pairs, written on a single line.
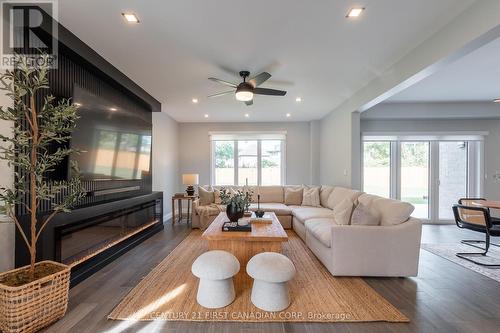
{"points": [[215, 269], [270, 271]]}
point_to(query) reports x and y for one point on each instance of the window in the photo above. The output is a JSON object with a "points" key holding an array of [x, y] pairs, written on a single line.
{"points": [[224, 162], [259, 159], [271, 162], [248, 161]]}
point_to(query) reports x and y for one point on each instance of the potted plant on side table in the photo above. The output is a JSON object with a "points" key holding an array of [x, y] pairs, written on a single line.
{"points": [[36, 295]]}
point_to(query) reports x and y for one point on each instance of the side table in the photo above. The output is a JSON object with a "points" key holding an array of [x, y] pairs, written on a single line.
{"points": [[179, 199]]}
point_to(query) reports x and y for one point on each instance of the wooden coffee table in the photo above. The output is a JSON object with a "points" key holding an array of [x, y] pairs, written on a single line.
{"points": [[264, 237]]}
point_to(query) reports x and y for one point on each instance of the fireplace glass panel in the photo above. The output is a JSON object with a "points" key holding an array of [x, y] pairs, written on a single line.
{"points": [[81, 242]]}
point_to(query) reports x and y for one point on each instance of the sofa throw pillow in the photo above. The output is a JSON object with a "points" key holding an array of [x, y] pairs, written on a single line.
{"points": [[207, 197], [310, 197], [363, 216], [293, 196], [340, 193], [217, 199], [343, 211], [324, 194]]}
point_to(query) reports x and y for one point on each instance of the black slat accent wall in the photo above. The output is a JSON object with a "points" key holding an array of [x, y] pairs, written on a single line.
{"points": [[71, 71]]}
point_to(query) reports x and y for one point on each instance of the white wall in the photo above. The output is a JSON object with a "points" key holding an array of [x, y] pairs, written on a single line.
{"points": [[315, 139], [194, 147], [165, 158], [336, 147], [491, 143]]}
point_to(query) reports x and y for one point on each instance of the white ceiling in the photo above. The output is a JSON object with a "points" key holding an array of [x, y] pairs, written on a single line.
{"points": [[309, 47], [473, 78]]}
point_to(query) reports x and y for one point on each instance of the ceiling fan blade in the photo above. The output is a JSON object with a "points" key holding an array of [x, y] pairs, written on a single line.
{"points": [[250, 102], [223, 82], [271, 92], [221, 94], [259, 79]]}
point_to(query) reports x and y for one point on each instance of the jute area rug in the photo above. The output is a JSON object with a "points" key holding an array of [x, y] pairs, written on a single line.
{"points": [[169, 293]]}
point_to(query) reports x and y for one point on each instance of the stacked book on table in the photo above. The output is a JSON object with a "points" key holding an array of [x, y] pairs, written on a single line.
{"points": [[245, 223]]}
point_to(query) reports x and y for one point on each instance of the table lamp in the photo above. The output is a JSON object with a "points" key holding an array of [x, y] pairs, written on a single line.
{"points": [[190, 179]]}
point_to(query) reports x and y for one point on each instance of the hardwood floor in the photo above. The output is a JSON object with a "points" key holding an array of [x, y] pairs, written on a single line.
{"points": [[444, 298]]}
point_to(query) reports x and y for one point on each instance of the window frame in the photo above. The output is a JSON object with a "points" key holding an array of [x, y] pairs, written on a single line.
{"points": [[259, 159]]}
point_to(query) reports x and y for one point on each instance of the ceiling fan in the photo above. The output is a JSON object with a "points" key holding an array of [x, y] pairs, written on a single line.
{"points": [[247, 89]]}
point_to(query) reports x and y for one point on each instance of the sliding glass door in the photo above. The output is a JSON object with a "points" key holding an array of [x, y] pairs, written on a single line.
{"points": [[377, 168], [430, 174], [414, 184], [453, 176]]}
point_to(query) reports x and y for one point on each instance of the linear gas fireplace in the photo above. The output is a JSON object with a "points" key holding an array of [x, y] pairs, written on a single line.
{"points": [[98, 234], [80, 242], [89, 238]]}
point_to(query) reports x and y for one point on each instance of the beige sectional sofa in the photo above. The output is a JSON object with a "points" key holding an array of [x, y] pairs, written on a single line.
{"points": [[390, 248]]}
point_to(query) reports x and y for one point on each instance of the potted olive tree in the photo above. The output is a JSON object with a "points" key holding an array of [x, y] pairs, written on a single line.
{"points": [[36, 295]]}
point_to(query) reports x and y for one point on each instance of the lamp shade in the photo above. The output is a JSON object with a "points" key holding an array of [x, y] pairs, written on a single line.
{"points": [[190, 179]]}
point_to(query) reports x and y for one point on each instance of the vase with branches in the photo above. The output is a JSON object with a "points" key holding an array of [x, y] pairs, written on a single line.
{"points": [[236, 202], [30, 151]]}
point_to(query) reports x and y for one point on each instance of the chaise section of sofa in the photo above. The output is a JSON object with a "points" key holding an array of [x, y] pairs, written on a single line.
{"points": [[389, 249]]}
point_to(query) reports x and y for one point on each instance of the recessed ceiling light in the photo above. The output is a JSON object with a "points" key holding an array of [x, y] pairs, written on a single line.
{"points": [[355, 12], [298, 99], [496, 100], [247, 115], [195, 100], [113, 109], [206, 116], [131, 17], [288, 115]]}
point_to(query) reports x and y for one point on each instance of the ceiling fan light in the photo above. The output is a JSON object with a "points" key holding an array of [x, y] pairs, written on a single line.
{"points": [[244, 95], [244, 92]]}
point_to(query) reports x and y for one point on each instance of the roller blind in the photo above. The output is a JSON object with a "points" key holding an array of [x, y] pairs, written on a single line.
{"points": [[231, 136], [426, 136]]}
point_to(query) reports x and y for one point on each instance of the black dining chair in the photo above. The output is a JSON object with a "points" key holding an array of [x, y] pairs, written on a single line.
{"points": [[477, 219], [469, 202]]}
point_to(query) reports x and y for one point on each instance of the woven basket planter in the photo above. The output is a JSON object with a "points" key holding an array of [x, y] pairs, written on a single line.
{"points": [[33, 306]]}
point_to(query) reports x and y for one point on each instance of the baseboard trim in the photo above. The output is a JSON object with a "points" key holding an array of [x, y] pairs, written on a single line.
{"points": [[167, 217]]}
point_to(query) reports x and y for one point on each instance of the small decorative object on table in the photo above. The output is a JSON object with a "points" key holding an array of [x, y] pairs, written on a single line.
{"points": [[248, 200], [234, 226], [258, 212], [266, 218]]}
